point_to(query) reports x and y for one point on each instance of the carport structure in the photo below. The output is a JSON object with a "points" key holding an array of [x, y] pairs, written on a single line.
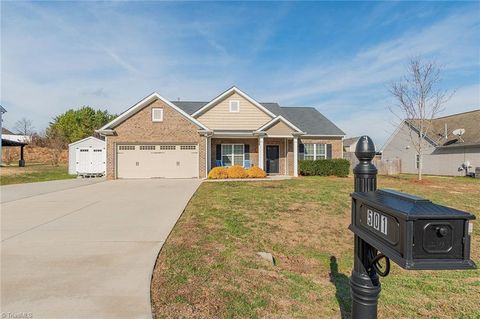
{"points": [[10, 143]]}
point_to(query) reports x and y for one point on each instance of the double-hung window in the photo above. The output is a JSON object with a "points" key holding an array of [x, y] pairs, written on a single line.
{"points": [[233, 154], [315, 151], [309, 153]]}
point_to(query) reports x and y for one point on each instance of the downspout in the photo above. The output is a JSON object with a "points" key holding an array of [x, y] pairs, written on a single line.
{"points": [[106, 156], [341, 148]]}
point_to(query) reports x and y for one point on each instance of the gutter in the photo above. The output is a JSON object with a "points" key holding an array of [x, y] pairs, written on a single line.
{"points": [[105, 132], [470, 145]]}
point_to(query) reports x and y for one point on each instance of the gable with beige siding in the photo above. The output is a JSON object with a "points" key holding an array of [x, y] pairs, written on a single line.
{"points": [[219, 117], [280, 128]]}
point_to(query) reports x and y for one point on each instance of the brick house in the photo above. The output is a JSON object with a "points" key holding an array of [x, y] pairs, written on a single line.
{"points": [[185, 139]]}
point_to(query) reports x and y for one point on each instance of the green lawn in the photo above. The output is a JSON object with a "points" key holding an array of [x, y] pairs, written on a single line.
{"points": [[208, 267], [33, 173]]}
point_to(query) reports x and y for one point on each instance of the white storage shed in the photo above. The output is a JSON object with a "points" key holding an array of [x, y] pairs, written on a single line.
{"points": [[87, 157]]}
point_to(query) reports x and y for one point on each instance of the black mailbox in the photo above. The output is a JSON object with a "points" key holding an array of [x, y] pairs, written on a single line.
{"points": [[412, 231]]}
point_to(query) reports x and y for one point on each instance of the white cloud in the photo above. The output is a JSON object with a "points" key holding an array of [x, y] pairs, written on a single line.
{"points": [[464, 99], [451, 42]]}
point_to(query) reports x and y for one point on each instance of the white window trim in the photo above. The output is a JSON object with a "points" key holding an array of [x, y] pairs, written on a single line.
{"points": [[232, 154], [230, 106], [161, 117], [315, 151]]}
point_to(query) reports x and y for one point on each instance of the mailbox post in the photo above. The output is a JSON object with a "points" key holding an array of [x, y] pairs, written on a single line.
{"points": [[364, 283], [411, 231]]}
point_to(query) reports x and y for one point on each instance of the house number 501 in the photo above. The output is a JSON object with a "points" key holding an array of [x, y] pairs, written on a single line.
{"points": [[377, 221]]}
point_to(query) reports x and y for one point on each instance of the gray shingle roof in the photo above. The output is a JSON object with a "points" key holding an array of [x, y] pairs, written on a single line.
{"points": [[189, 107], [308, 119], [311, 121], [466, 120]]}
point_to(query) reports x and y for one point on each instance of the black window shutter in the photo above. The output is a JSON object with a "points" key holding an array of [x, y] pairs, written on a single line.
{"points": [[247, 152], [218, 152], [301, 151], [329, 151]]}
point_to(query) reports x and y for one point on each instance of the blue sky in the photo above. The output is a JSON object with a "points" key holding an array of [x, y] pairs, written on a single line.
{"points": [[336, 56]]}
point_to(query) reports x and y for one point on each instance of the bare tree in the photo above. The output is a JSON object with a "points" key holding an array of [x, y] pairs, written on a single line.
{"points": [[24, 126], [56, 143], [418, 101]]}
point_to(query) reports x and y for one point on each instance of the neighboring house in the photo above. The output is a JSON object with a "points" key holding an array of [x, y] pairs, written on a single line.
{"points": [[444, 152], [349, 144], [178, 139]]}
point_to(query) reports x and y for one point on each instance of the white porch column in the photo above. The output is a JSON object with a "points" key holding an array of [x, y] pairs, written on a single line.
{"points": [[260, 152], [209, 154], [295, 156]]}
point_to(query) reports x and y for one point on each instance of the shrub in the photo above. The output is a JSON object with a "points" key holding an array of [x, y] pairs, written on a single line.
{"points": [[331, 167], [236, 171], [256, 172], [218, 173]]}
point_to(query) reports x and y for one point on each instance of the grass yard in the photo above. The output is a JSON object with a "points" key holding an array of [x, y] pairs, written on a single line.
{"points": [[208, 267], [33, 172]]}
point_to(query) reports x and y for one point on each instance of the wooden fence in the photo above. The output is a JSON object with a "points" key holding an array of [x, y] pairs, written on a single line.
{"points": [[385, 167]]}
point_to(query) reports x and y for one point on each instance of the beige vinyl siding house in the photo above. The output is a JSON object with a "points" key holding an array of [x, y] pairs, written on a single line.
{"points": [[444, 152], [157, 138]]}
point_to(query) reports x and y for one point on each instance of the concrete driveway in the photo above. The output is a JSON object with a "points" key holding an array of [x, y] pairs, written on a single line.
{"points": [[87, 251]]}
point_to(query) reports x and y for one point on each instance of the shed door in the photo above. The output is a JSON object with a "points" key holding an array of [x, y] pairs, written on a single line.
{"points": [[98, 161], [157, 161], [83, 160], [90, 160]]}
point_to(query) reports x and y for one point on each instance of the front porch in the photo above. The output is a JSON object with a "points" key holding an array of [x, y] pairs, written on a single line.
{"points": [[275, 155]]}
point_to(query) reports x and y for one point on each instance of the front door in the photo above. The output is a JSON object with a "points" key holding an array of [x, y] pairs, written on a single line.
{"points": [[272, 161]]}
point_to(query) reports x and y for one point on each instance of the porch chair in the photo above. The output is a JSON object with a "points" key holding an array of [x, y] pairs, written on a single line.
{"points": [[218, 163], [247, 164]]}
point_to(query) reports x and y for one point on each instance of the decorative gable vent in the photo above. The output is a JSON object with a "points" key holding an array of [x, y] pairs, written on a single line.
{"points": [[234, 106], [157, 115]]}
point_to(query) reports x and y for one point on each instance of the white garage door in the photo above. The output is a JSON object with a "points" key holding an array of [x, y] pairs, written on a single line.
{"points": [[157, 161]]}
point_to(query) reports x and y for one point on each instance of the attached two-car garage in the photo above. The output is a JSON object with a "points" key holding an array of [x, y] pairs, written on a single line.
{"points": [[157, 161]]}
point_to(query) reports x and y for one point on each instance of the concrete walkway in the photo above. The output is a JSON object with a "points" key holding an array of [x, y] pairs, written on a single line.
{"points": [[89, 251]]}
